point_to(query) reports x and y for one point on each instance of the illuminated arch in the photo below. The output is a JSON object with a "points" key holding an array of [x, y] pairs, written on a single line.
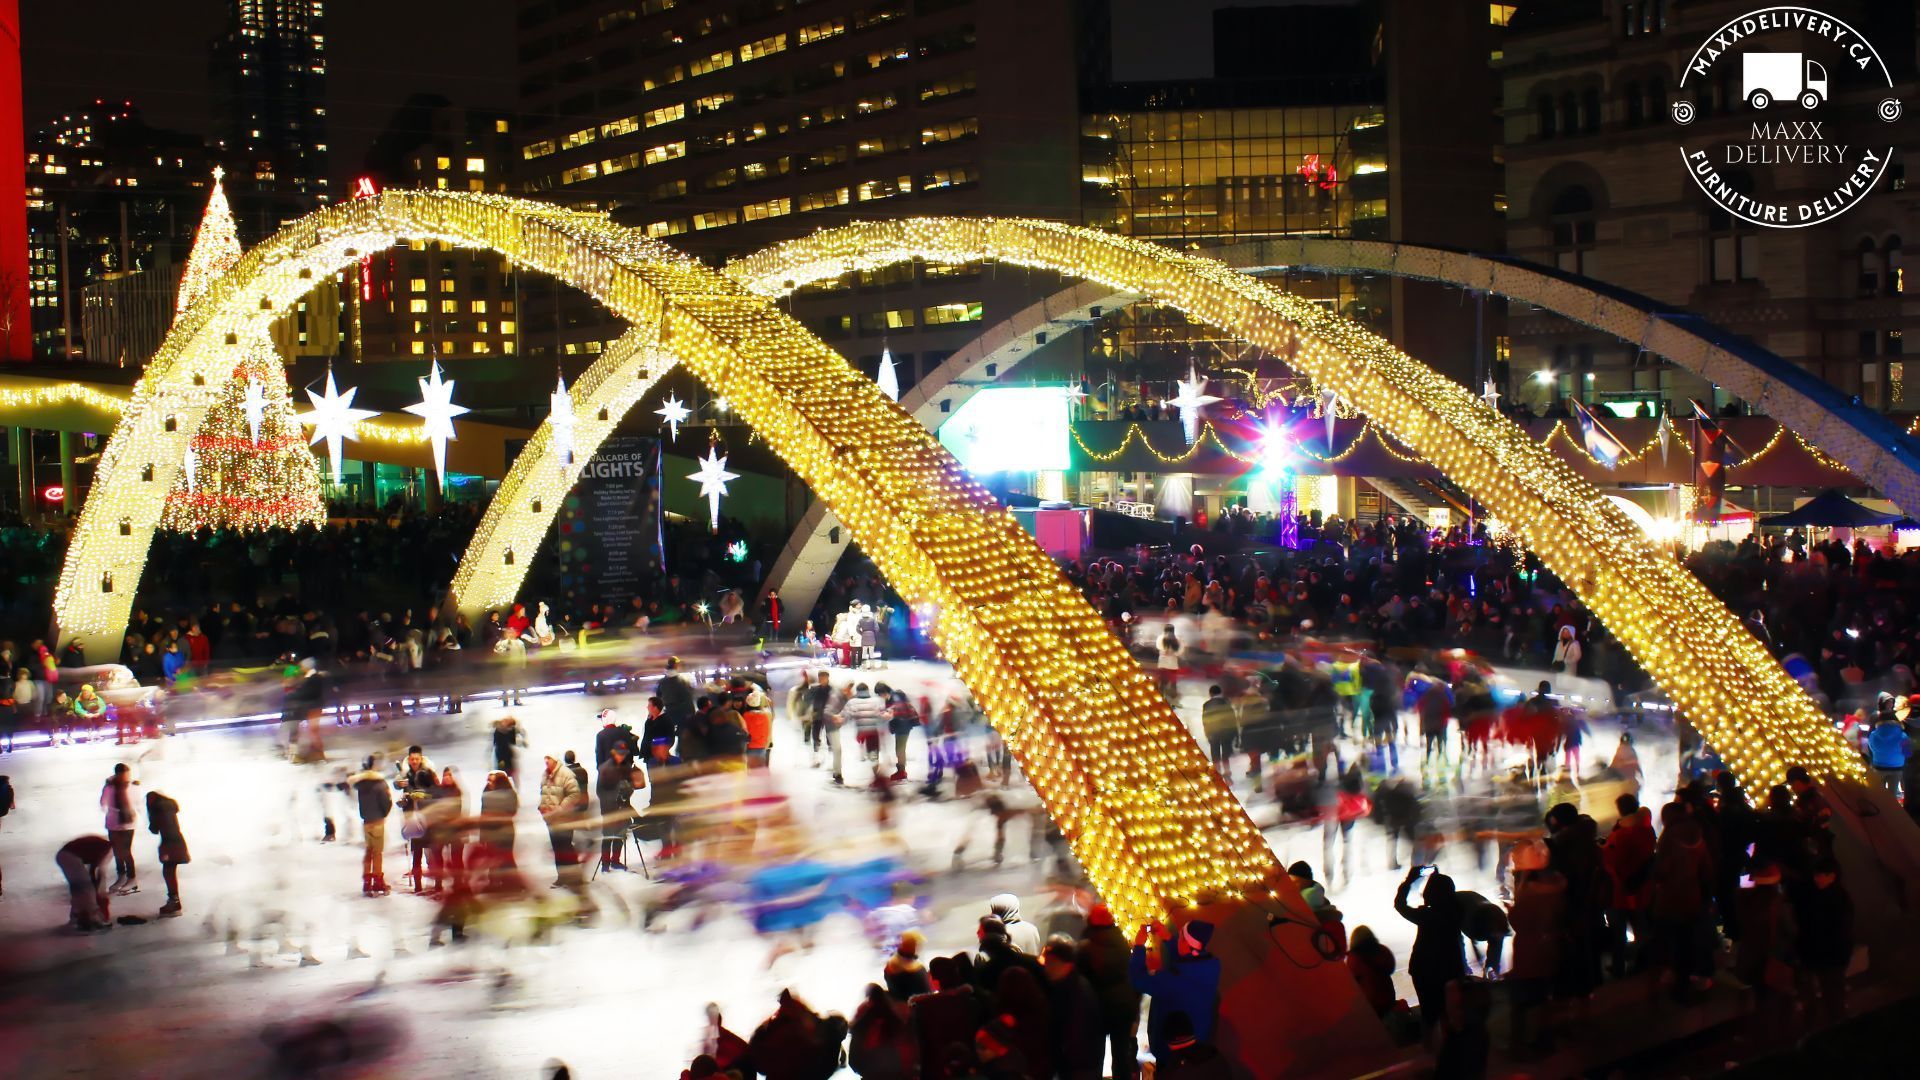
{"points": [[1718, 675], [1147, 816], [522, 510], [1871, 446]]}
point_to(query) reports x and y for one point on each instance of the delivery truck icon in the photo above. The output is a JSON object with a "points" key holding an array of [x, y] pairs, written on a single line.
{"points": [[1767, 77]]}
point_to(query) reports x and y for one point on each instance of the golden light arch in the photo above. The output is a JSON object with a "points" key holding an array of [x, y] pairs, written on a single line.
{"points": [[1752, 712], [1119, 772], [1121, 775]]}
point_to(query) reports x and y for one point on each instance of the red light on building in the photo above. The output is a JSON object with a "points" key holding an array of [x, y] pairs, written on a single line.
{"points": [[54, 494], [364, 187]]}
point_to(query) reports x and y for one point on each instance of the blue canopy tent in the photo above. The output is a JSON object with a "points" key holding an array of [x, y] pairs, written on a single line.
{"points": [[1829, 510]]}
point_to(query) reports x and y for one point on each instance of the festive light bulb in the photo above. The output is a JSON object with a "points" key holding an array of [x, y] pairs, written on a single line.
{"points": [[333, 419], [436, 411]]}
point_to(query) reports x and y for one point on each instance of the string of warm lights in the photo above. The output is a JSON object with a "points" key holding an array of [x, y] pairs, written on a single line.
{"points": [[1719, 677], [58, 394], [1150, 820]]}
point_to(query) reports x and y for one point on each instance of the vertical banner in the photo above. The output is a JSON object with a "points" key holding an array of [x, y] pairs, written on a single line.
{"points": [[610, 542]]}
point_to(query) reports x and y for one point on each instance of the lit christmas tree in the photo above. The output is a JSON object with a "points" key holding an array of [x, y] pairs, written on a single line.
{"points": [[244, 481], [251, 466]]}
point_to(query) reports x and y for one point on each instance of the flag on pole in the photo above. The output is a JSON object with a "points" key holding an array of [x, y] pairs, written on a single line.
{"points": [[1601, 444], [1709, 464]]}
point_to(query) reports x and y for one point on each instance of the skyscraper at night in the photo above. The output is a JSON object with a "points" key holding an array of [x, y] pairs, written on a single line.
{"points": [[269, 72]]}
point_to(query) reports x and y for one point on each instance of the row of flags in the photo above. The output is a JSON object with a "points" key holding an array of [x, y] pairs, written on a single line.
{"points": [[1710, 443]]}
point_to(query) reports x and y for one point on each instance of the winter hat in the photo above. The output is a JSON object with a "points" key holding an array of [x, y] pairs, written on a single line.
{"points": [[1195, 935], [909, 946], [1099, 915], [1006, 906]]}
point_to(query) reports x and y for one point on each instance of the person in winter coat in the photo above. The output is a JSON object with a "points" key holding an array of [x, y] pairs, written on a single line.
{"points": [[1566, 652], [1762, 955], [163, 820], [1628, 858], [996, 956], [415, 787], [1888, 748], [1221, 722], [1020, 996], [116, 801], [1435, 708], [1078, 1036], [561, 802], [881, 1044], [864, 711], [1682, 882], [902, 718], [1823, 914], [619, 780], [946, 1018], [1439, 952], [1024, 935], [905, 975], [1371, 964], [796, 1043], [1539, 919], [375, 800], [1187, 980], [82, 862], [756, 713], [1102, 958]]}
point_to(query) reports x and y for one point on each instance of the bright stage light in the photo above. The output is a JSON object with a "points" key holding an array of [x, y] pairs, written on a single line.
{"points": [[1277, 452], [1543, 375]]}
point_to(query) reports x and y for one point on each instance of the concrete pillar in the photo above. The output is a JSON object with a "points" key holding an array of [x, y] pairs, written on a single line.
{"points": [[369, 483], [69, 498], [430, 494], [20, 452]]}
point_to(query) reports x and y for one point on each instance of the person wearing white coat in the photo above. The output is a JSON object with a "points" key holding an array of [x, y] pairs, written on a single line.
{"points": [[1566, 652]]}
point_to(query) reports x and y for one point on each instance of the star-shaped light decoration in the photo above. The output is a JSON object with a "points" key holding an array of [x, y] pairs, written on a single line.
{"points": [[254, 404], [1663, 433], [560, 417], [436, 411], [713, 477], [1329, 410], [191, 463], [674, 412], [1490, 393], [1192, 398], [888, 378], [333, 418]]}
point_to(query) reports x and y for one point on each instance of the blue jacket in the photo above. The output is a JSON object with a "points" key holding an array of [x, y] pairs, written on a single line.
{"points": [[1188, 984], [1887, 744]]}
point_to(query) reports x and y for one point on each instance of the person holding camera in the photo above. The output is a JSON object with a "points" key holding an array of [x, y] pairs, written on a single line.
{"points": [[615, 786]]}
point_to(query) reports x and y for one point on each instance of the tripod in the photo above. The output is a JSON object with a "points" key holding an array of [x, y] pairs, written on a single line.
{"points": [[630, 836]]}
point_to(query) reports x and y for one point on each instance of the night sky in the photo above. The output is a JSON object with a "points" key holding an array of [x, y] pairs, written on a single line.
{"points": [[155, 52]]}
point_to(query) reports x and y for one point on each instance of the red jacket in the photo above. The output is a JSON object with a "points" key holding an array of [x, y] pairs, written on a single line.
{"points": [[1628, 854]]}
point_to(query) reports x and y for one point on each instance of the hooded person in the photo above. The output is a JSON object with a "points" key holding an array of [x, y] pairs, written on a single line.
{"points": [[1187, 981], [1024, 935]]}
